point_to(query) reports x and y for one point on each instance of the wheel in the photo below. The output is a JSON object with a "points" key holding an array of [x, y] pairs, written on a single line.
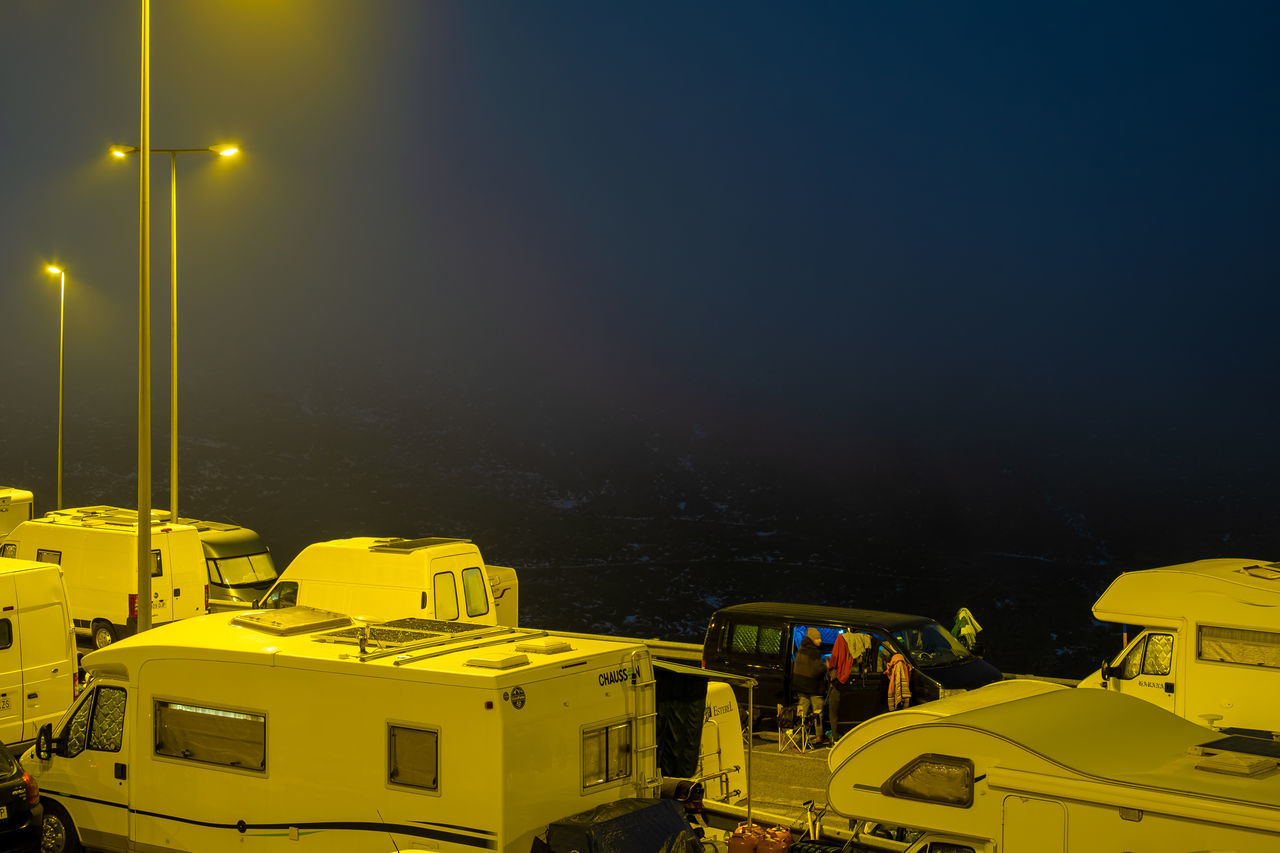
{"points": [[104, 634], [59, 834]]}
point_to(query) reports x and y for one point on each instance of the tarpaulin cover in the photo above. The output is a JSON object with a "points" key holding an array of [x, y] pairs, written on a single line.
{"points": [[625, 826], [682, 707]]}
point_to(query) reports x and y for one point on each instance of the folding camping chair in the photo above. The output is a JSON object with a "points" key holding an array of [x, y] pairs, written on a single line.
{"points": [[796, 733]]}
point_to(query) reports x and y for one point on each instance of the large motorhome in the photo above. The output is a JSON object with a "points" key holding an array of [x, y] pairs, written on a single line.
{"points": [[37, 650], [295, 729], [98, 553], [1210, 651], [1066, 771], [389, 578]]}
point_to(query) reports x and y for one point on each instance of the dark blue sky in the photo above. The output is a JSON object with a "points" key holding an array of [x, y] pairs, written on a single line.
{"points": [[931, 226]]}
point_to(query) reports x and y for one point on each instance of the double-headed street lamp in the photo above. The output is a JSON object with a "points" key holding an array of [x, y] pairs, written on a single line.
{"points": [[122, 151], [62, 314]]}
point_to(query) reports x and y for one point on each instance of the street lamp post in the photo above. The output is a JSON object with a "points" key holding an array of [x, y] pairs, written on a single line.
{"points": [[122, 151], [62, 314]]}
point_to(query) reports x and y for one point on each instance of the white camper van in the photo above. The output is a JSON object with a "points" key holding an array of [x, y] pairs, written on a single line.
{"points": [[1061, 771], [293, 730], [37, 650], [98, 553], [388, 578], [239, 563], [1211, 648], [15, 508]]}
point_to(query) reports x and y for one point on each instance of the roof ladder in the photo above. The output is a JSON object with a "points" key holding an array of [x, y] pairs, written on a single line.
{"points": [[644, 714]]}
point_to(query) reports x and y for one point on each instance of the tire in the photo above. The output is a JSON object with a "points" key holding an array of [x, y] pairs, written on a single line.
{"points": [[103, 635], [59, 833]]}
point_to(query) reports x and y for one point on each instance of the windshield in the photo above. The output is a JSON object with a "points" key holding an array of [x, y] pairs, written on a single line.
{"points": [[257, 570], [931, 645]]}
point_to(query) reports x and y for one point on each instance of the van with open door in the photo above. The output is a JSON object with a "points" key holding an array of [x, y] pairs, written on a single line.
{"points": [[760, 640]]}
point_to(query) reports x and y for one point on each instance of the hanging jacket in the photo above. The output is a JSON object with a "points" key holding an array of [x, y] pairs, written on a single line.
{"points": [[899, 672], [841, 662], [847, 652], [966, 628]]}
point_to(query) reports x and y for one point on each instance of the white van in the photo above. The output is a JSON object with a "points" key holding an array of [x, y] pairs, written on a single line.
{"points": [[1210, 651], [294, 730], [15, 508], [98, 554], [1062, 770], [37, 650], [389, 578]]}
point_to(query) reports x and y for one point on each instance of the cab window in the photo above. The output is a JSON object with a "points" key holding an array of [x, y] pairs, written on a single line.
{"points": [[283, 594], [98, 724], [1152, 655]]}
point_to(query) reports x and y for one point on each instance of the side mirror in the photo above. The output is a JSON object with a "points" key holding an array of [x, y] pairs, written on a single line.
{"points": [[1105, 669], [44, 742]]}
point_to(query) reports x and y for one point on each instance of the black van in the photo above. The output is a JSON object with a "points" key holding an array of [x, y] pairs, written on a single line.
{"points": [[760, 640]]}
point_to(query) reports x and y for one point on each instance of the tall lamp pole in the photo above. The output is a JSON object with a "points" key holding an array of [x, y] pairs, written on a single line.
{"points": [[122, 151], [62, 315], [144, 333]]}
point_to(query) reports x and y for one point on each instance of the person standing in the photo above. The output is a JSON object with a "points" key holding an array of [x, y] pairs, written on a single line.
{"points": [[807, 677]]}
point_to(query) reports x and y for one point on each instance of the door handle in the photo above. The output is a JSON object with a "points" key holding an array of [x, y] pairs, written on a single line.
{"points": [[33, 695], [122, 772], [1168, 687]]}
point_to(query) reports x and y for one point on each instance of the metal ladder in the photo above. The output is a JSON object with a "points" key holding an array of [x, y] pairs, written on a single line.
{"points": [[644, 714]]}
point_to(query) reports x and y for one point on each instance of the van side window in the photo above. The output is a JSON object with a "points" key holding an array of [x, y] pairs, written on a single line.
{"points": [[473, 589], [44, 556], [211, 735], [606, 754], [746, 638], [285, 594], [6, 634], [156, 569], [1239, 646], [413, 757], [445, 589], [98, 723], [9, 549]]}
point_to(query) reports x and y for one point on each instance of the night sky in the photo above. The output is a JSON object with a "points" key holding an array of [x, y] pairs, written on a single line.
{"points": [[854, 244]]}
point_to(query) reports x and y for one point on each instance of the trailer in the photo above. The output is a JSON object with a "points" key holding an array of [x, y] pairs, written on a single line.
{"points": [[1060, 771], [297, 729]]}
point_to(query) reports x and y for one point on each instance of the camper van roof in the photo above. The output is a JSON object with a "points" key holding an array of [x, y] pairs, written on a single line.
{"points": [[824, 613], [103, 517], [1100, 733], [452, 652], [1237, 590]]}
